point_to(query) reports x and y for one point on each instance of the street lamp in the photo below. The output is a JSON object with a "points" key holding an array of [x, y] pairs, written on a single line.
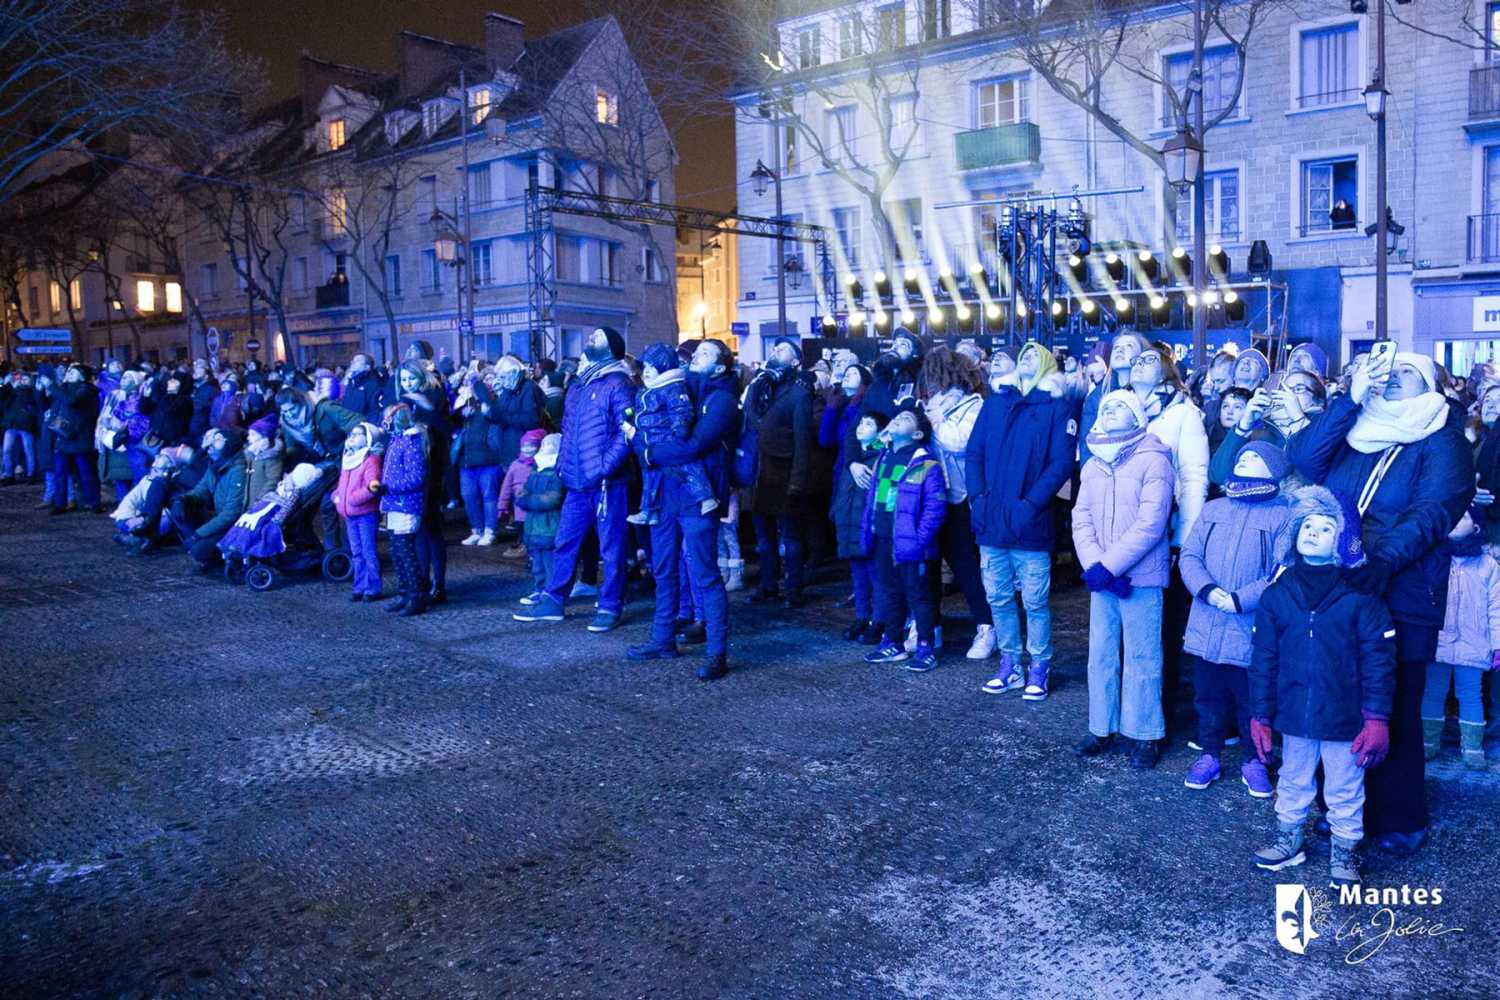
{"points": [[451, 250], [760, 179], [794, 272], [1375, 98], [1184, 154]]}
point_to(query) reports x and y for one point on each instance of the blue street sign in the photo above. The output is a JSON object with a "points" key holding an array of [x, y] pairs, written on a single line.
{"points": [[42, 349], [740, 329], [466, 326], [48, 334]]}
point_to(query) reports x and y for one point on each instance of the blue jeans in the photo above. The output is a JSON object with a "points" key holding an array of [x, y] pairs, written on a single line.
{"points": [[363, 554], [83, 470], [540, 558], [1003, 570], [480, 485], [25, 443], [787, 530], [1468, 683], [1126, 698], [580, 519], [695, 539], [863, 571]]}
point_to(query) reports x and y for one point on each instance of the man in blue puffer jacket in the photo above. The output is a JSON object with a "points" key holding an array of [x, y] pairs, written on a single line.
{"points": [[593, 468]]}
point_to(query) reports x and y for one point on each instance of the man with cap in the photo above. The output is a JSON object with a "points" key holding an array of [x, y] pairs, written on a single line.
{"points": [[204, 513], [779, 407], [592, 464]]}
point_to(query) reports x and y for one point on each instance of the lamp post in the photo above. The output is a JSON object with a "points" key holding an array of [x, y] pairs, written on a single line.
{"points": [[452, 249], [761, 177], [1375, 100], [1184, 156]]}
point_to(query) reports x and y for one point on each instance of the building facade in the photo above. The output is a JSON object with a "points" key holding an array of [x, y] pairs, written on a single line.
{"points": [[708, 281], [1292, 162]]}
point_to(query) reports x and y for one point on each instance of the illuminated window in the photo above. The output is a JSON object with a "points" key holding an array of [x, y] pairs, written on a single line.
{"points": [[336, 134], [75, 294], [479, 104], [56, 291], [338, 211], [174, 297], [145, 296], [606, 107]]}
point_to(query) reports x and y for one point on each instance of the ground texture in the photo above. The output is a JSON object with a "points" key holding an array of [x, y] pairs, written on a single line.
{"points": [[207, 791]]}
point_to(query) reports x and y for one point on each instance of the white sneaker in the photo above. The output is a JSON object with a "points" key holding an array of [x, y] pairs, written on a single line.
{"points": [[984, 643], [581, 589], [488, 538], [473, 539], [911, 638]]}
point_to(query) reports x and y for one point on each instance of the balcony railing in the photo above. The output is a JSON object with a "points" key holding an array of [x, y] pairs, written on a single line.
{"points": [[1484, 239], [1484, 92], [1001, 146], [334, 295]]}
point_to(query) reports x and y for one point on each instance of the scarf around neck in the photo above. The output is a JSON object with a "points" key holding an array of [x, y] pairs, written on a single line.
{"points": [[596, 370], [664, 378], [1107, 445], [1383, 423], [1250, 489]]}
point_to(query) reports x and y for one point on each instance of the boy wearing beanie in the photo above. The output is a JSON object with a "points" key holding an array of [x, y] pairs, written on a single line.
{"points": [[1322, 672], [1226, 564]]}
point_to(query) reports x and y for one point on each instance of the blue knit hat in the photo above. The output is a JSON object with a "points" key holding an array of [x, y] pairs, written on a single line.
{"points": [[1274, 457], [1349, 548], [660, 356]]}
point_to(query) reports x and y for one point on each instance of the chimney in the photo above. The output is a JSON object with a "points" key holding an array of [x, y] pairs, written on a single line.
{"points": [[504, 38]]}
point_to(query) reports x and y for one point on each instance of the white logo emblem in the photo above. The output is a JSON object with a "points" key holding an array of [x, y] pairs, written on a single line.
{"points": [[1294, 918]]}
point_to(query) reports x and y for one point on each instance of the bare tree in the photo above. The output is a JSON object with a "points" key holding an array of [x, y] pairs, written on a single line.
{"points": [[255, 222], [73, 71]]}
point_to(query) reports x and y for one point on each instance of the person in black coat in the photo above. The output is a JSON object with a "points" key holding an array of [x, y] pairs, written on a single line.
{"points": [[205, 388], [363, 389], [75, 411], [516, 406], [1395, 446], [780, 407], [20, 419], [168, 406]]}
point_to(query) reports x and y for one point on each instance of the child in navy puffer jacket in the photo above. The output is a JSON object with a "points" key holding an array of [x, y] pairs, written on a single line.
{"points": [[904, 509], [403, 490]]}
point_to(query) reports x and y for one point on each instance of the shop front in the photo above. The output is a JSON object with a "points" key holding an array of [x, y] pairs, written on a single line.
{"points": [[328, 338], [1458, 323]]}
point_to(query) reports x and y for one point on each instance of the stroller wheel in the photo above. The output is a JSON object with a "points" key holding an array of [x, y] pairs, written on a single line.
{"points": [[337, 566], [234, 571], [260, 578]]}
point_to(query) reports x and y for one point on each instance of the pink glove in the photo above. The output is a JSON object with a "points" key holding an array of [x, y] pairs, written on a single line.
{"points": [[1372, 743], [1260, 736], [1495, 660]]}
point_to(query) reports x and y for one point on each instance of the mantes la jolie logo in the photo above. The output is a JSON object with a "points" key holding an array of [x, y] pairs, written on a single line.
{"points": [[1296, 912], [1371, 917]]}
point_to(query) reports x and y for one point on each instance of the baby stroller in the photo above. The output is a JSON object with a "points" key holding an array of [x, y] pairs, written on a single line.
{"points": [[258, 556]]}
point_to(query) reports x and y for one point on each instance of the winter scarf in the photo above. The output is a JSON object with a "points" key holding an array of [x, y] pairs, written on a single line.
{"points": [[1107, 445], [664, 378], [1046, 365], [353, 457], [1383, 423], [1250, 489], [593, 370]]}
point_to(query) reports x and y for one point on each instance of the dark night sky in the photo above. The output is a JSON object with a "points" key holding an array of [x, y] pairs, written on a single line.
{"points": [[364, 34]]}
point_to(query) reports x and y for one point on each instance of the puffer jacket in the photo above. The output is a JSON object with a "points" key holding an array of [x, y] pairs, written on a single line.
{"points": [[362, 394], [921, 504], [1179, 426], [1233, 547], [1424, 492], [262, 471], [848, 510], [1019, 456], [404, 474], [711, 441], [352, 497], [22, 410], [171, 414], [542, 500], [1319, 672], [1471, 628], [223, 485], [953, 416], [77, 406], [1121, 517], [514, 412], [477, 440], [594, 448]]}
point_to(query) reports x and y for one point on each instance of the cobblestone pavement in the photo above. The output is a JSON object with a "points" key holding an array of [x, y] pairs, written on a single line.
{"points": [[213, 792]]}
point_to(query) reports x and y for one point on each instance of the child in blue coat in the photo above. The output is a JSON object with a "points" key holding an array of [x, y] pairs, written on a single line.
{"points": [[904, 509]]}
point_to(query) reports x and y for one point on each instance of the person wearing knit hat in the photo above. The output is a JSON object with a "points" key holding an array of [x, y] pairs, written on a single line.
{"points": [[1308, 357], [1226, 562], [895, 372], [1322, 673], [516, 475], [263, 456], [1120, 528], [1251, 369]]}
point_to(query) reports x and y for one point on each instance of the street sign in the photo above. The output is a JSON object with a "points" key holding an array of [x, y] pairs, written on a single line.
{"points": [[252, 345], [211, 340], [45, 334], [466, 326], [740, 329], [42, 349]]}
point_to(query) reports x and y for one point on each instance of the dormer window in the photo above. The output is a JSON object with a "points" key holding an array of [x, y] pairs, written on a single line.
{"points": [[606, 107], [480, 99], [434, 113], [336, 134]]}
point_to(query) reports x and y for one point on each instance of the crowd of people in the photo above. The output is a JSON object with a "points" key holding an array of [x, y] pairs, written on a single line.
{"points": [[1314, 552]]}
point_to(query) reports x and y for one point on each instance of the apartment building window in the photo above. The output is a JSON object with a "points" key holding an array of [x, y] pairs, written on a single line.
{"points": [[432, 117], [392, 269], [1221, 193], [851, 36], [432, 273], [34, 298], [810, 47], [479, 104], [173, 296], [653, 191], [1326, 184], [336, 266], [1492, 32], [1328, 66], [606, 107], [785, 147], [905, 216], [482, 271], [846, 228], [208, 281], [890, 22], [299, 274], [296, 212], [937, 19], [650, 266], [1220, 74], [336, 134], [338, 212], [1001, 102], [609, 263], [427, 197], [901, 112], [242, 273], [55, 295], [145, 296], [790, 249], [75, 294], [840, 138], [479, 185]]}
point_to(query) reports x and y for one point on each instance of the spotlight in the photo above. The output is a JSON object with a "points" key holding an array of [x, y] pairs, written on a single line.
{"points": [[856, 290], [1259, 264], [966, 319], [1146, 264], [1210, 298], [882, 319], [1078, 268], [830, 326], [993, 313], [1089, 308], [1161, 310], [882, 285], [1182, 266], [1218, 261], [1234, 307], [908, 318], [912, 280], [1114, 267], [935, 318], [1124, 310], [977, 276], [945, 272], [856, 322], [1059, 310]]}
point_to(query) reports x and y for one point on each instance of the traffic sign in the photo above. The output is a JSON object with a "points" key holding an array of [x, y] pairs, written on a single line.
{"points": [[466, 326], [252, 345], [46, 334], [42, 349], [211, 340], [740, 329]]}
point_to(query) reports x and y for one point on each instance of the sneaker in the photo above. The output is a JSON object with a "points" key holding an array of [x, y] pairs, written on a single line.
{"points": [[1093, 746], [651, 651], [1143, 757], [983, 646], [911, 637], [473, 539], [487, 538], [1007, 678], [545, 609], [581, 589], [1343, 863], [514, 552], [887, 652], [639, 517], [1036, 680], [1204, 772], [604, 621], [1229, 741], [1287, 852], [1257, 779], [531, 599], [923, 659]]}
